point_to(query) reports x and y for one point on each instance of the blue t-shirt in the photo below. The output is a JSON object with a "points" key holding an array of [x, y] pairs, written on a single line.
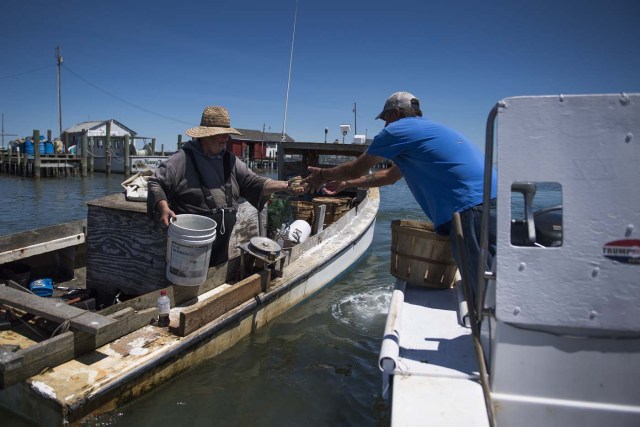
{"points": [[442, 168]]}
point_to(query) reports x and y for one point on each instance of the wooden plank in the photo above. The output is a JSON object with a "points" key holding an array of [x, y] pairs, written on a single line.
{"points": [[40, 248], [181, 294], [56, 311], [128, 320], [92, 323], [202, 313], [17, 287], [20, 365], [42, 235], [49, 309]]}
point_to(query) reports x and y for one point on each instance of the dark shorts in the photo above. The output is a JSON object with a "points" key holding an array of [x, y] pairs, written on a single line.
{"points": [[471, 225]]}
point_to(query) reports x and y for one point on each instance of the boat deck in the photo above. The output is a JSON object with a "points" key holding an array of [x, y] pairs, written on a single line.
{"points": [[434, 375]]}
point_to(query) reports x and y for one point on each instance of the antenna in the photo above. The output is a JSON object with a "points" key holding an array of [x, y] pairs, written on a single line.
{"points": [[355, 118], [286, 99], [59, 59]]}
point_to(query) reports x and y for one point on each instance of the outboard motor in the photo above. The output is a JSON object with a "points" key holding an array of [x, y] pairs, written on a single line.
{"points": [[539, 228], [548, 222]]}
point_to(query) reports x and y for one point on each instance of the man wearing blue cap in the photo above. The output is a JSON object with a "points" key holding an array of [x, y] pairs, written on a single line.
{"points": [[443, 170]]}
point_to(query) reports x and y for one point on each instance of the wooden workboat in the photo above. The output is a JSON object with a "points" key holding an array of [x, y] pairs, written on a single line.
{"points": [[553, 337], [109, 357]]}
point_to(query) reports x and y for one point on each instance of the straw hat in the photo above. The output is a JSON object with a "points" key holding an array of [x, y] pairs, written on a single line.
{"points": [[215, 121]]}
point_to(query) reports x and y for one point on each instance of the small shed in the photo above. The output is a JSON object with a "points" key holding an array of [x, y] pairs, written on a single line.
{"points": [[256, 144], [96, 128]]}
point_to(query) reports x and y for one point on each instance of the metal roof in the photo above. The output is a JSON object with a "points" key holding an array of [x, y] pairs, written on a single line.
{"points": [[95, 124], [256, 135]]}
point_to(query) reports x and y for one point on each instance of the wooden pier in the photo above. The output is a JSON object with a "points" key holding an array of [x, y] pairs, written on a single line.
{"points": [[38, 164], [49, 165]]}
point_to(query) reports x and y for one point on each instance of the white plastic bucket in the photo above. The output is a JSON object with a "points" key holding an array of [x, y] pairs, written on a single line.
{"points": [[189, 240], [299, 231]]}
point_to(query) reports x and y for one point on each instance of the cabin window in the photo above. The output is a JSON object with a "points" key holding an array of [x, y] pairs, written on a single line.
{"points": [[99, 143], [536, 214]]}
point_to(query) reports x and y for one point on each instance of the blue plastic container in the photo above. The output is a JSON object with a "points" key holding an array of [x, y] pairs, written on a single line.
{"points": [[48, 148], [42, 287], [29, 147]]}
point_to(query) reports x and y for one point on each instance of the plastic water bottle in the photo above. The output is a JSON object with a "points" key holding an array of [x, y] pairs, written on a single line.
{"points": [[164, 306]]}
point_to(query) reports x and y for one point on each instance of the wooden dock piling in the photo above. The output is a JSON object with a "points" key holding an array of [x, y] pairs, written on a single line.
{"points": [[127, 164], [91, 147], [84, 154], [36, 153], [107, 149]]}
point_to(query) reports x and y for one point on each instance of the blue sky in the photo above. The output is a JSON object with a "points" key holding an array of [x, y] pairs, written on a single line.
{"points": [[155, 65]]}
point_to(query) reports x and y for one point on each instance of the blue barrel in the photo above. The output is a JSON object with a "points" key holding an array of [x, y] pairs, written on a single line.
{"points": [[28, 146], [48, 148]]}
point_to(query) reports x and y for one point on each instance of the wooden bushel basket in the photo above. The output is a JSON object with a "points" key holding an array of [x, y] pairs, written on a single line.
{"points": [[420, 256], [335, 207], [302, 210]]}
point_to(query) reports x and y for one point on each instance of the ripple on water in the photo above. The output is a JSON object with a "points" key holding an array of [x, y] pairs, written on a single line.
{"points": [[363, 309]]}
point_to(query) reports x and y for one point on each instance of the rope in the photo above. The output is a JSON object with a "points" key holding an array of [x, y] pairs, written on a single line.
{"points": [[63, 327]]}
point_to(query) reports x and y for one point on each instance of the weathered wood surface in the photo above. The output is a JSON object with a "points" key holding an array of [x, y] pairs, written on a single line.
{"points": [[19, 362], [127, 249], [198, 315], [81, 320], [127, 321], [29, 243], [16, 366]]}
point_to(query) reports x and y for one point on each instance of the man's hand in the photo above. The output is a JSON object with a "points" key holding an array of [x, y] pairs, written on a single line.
{"points": [[163, 212], [296, 187], [334, 187], [315, 179]]}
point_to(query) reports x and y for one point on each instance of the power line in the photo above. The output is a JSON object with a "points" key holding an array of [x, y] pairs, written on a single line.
{"points": [[25, 72], [106, 92]]}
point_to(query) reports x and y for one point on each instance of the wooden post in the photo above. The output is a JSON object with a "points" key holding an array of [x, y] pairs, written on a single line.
{"points": [[179, 142], [83, 162], [107, 149], [162, 150], [36, 153], [25, 160], [10, 155], [49, 138], [66, 144], [153, 146], [280, 154], [127, 165], [318, 215], [91, 147]]}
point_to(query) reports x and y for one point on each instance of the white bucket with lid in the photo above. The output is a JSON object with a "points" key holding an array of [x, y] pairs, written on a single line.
{"points": [[299, 231], [189, 241]]}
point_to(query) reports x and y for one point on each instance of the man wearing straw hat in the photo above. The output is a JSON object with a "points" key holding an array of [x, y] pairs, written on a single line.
{"points": [[205, 179]]}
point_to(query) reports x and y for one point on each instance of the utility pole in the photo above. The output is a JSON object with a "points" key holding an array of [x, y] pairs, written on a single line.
{"points": [[262, 145], [355, 119], [59, 59], [5, 134]]}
